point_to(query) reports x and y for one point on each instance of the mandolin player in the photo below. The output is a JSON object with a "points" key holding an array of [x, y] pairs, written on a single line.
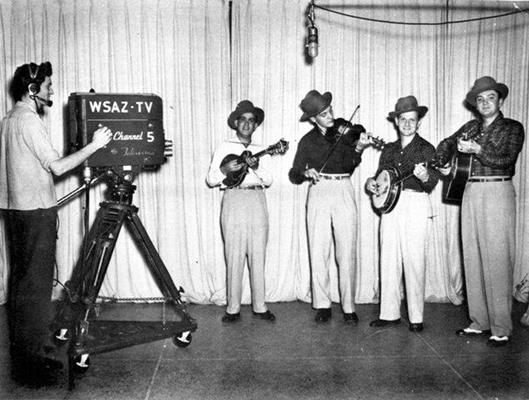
{"points": [[404, 229], [244, 214]]}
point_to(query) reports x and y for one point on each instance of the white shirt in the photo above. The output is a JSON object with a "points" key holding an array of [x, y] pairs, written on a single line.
{"points": [[26, 152], [262, 176]]}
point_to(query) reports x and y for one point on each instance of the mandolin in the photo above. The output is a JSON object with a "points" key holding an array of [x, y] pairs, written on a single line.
{"points": [[235, 178]]}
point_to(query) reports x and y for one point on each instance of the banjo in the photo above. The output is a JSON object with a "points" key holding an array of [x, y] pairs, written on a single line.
{"points": [[389, 184]]}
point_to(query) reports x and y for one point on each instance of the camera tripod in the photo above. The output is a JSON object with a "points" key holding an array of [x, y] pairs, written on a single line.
{"points": [[75, 323]]}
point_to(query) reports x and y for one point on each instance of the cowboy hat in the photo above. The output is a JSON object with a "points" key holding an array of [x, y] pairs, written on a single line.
{"points": [[245, 106], [314, 103], [406, 104], [486, 83]]}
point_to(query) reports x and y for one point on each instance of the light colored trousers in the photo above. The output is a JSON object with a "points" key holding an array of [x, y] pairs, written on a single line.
{"points": [[488, 225], [404, 236], [332, 213], [244, 222]]}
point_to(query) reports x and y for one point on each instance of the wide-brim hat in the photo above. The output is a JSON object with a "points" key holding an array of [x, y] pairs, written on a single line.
{"points": [[314, 103], [245, 106], [406, 104], [486, 83]]}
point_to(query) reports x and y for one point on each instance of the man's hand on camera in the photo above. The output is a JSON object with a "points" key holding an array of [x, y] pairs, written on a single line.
{"points": [[102, 137]]}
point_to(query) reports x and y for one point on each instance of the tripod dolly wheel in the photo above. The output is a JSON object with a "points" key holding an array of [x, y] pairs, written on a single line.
{"points": [[183, 339], [81, 364], [60, 337]]}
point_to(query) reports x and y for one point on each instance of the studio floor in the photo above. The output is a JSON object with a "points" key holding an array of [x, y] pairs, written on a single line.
{"points": [[295, 358]]}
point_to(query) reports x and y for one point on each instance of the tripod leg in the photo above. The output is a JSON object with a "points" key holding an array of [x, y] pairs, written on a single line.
{"points": [[155, 262], [91, 268]]}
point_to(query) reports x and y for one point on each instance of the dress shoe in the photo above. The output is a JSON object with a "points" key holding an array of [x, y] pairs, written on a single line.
{"points": [[231, 317], [267, 315], [49, 362], [384, 322], [34, 376], [350, 318], [416, 327], [470, 332], [498, 341], [323, 315], [48, 358]]}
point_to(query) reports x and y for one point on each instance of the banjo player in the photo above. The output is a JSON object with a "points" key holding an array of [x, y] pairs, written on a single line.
{"points": [[404, 228]]}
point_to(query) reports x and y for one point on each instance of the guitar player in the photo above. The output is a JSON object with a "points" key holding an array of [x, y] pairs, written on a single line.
{"points": [[404, 231], [488, 209], [244, 214]]}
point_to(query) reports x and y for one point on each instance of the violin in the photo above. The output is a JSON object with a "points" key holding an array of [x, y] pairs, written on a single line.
{"points": [[342, 127]]}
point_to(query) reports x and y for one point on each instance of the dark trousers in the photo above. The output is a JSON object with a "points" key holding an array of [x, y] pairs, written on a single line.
{"points": [[32, 241]]}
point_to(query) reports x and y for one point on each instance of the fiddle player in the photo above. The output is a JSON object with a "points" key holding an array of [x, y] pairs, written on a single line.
{"points": [[404, 230], [327, 159], [244, 214], [488, 209], [28, 163]]}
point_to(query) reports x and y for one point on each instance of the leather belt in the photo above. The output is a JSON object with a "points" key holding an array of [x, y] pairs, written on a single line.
{"points": [[246, 187], [335, 177], [491, 179]]}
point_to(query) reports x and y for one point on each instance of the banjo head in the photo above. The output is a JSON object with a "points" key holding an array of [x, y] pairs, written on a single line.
{"points": [[388, 193]]}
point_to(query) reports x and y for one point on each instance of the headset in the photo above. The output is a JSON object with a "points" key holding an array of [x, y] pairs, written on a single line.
{"points": [[34, 86]]}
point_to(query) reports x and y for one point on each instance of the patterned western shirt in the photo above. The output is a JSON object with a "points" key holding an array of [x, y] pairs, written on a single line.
{"points": [[500, 142], [419, 150]]}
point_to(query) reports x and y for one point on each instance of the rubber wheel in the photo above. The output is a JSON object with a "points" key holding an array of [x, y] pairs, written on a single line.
{"points": [[183, 339], [81, 363], [60, 337]]}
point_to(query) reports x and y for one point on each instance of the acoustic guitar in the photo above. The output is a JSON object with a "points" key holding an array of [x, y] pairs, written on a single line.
{"points": [[461, 166], [460, 172], [235, 178]]}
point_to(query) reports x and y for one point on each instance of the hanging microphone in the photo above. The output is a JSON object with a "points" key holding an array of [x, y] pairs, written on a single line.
{"points": [[312, 39], [48, 103]]}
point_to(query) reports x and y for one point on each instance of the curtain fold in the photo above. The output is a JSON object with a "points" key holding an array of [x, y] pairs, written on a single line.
{"points": [[203, 57]]}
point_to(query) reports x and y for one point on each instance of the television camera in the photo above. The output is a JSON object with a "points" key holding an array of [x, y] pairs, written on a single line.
{"points": [[138, 143], [136, 121]]}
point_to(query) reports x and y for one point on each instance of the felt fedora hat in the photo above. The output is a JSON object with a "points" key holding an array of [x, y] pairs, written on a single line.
{"points": [[245, 106], [314, 103], [486, 83], [408, 103]]}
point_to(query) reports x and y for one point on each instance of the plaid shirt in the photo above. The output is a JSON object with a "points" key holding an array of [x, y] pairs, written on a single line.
{"points": [[500, 142]]}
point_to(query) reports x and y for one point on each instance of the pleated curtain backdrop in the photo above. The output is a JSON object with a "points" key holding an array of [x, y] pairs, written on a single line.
{"points": [[203, 57]]}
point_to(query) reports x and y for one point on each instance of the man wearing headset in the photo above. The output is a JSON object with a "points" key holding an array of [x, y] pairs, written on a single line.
{"points": [[28, 163]]}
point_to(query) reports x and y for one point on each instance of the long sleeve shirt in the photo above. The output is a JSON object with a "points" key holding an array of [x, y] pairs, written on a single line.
{"points": [[500, 142], [419, 150], [313, 150], [262, 176]]}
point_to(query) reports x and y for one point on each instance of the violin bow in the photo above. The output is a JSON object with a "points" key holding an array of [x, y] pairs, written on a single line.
{"points": [[335, 144]]}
